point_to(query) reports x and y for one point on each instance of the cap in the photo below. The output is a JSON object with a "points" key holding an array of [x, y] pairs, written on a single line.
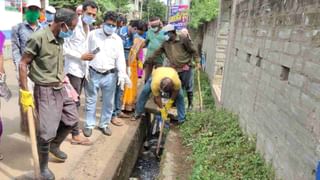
{"points": [[51, 9], [35, 3], [169, 28]]}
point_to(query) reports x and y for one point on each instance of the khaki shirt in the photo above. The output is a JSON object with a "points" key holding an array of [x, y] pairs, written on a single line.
{"points": [[47, 64], [164, 72], [179, 52]]}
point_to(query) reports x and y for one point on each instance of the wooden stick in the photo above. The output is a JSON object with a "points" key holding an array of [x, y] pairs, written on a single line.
{"points": [[32, 133], [160, 137], [199, 90]]}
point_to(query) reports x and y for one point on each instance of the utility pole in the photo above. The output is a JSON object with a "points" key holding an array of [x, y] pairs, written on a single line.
{"points": [[141, 5], [168, 9]]}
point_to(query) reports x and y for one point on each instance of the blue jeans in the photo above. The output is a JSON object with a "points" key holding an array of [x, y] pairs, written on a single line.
{"points": [[144, 96], [107, 84], [117, 101]]}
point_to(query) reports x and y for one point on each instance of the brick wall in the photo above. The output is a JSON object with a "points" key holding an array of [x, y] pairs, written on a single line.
{"points": [[273, 81]]}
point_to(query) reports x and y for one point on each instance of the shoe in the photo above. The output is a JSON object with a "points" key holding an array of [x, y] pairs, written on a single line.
{"points": [[87, 132], [43, 151], [106, 131], [79, 140], [55, 151], [123, 115], [136, 118], [116, 121]]}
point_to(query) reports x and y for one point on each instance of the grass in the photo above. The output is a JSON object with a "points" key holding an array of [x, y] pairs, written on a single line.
{"points": [[219, 148]]}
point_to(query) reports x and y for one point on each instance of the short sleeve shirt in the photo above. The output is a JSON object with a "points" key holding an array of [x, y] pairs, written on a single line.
{"points": [[155, 42], [47, 64], [2, 39], [164, 72]]}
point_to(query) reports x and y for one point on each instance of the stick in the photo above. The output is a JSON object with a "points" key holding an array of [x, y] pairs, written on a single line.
{"points": [[199, 89], [32, 133], [160, 137]]}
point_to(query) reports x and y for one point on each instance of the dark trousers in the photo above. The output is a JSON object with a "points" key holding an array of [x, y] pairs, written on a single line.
{"points": [[53, 106], [77, 84], [186, 78]]}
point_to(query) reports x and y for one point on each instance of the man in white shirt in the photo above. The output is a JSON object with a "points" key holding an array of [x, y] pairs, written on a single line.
{"points": [[107, 68], [77, 57]]}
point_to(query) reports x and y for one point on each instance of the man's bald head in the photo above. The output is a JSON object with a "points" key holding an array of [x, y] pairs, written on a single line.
{"points": [[166, 85]]}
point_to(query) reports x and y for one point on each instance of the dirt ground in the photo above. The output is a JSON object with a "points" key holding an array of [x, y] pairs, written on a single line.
{"points": [[175, 163]]}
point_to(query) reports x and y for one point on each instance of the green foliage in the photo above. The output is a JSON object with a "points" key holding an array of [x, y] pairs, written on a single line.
{"points": [[219, 148], [152, 8], [72, 4], [202, 11], [121, 5]]}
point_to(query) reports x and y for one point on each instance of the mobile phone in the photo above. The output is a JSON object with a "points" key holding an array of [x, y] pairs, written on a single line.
{"points": [[96, 50]]}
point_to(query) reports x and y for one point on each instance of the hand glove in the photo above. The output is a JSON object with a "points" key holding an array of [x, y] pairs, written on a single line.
{"points": [[164, 114], [121, 82], [129, 71], [26, 100], [128, 82], [169, 104]]}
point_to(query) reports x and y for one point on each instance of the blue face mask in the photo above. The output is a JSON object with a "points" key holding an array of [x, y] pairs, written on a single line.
{"points": [[66, 34], [109, 29], [166, 37], [49, 17], [88, 19]]}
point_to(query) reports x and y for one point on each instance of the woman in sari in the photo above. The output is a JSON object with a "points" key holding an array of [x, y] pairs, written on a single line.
{"points": [[130, 94]]}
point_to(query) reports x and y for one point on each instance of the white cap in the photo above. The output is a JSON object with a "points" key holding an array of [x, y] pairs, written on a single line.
{"points": [[168, 28], [35, 3], [51, 9]]}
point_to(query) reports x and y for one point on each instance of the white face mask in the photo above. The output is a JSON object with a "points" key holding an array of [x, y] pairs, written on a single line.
{"points": [[166, 37]]}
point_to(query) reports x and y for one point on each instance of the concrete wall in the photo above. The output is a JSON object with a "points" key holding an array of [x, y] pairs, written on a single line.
{"points": [[272, 81]]}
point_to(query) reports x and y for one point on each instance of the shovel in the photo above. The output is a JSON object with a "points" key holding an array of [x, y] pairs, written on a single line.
{"points": [[160, 137], [32, 133]]}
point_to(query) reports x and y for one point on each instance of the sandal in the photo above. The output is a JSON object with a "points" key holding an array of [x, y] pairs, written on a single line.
{"points": [[117, 122]]}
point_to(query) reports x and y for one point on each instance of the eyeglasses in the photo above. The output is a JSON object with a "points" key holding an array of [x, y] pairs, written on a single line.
{"points": [[111, 25]]}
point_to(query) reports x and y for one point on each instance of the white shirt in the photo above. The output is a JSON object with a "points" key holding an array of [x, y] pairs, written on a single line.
{"points": [[73, 48], [111, 54]]}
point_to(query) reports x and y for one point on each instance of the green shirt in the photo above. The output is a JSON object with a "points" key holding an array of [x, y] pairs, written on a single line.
{"points": [[154, 42], [47, 64], [179, 52]]}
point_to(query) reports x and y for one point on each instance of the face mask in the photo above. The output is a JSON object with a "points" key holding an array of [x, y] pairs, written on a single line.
{"points": [[109, 29], [49, 17], [88, 19], [32, 16], [166, 37], [66, 34], [155, 29]]}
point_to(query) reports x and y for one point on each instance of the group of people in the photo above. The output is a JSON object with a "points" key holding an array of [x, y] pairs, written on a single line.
{"points": [[58, 58]]}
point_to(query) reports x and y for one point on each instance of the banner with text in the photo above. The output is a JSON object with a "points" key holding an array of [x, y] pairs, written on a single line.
{"points": [[178, 16]]}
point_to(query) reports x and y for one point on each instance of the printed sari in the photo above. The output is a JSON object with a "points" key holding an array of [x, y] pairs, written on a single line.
{"points": [[130, 94]]}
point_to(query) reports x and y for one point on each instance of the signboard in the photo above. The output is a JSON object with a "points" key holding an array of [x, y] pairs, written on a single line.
{"points": [[178, 16], [13, 5]]}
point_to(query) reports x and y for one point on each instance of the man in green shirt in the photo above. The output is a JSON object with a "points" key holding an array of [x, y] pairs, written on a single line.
{"points": [[56, 110], [155, 37], [180, 53]]}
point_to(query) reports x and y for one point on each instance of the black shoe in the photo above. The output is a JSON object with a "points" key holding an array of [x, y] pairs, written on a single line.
{"points": [[43, 151], [58, 155], [87, 132], [106, 131]]}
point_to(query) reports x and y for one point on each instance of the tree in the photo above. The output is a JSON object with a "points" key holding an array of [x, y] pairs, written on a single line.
{"points": [[202, 11], [121, 5], [152, 8]]}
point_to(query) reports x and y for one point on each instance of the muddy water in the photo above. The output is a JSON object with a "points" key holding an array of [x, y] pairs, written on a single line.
{"points": [[147, 166]]}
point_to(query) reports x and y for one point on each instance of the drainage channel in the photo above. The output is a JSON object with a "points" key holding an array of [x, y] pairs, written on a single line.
{"points": [[147, 166]]}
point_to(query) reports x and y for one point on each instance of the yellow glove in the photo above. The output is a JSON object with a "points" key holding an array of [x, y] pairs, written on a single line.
{"points": [[169, 104], [164, 114], [26, 100]]}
